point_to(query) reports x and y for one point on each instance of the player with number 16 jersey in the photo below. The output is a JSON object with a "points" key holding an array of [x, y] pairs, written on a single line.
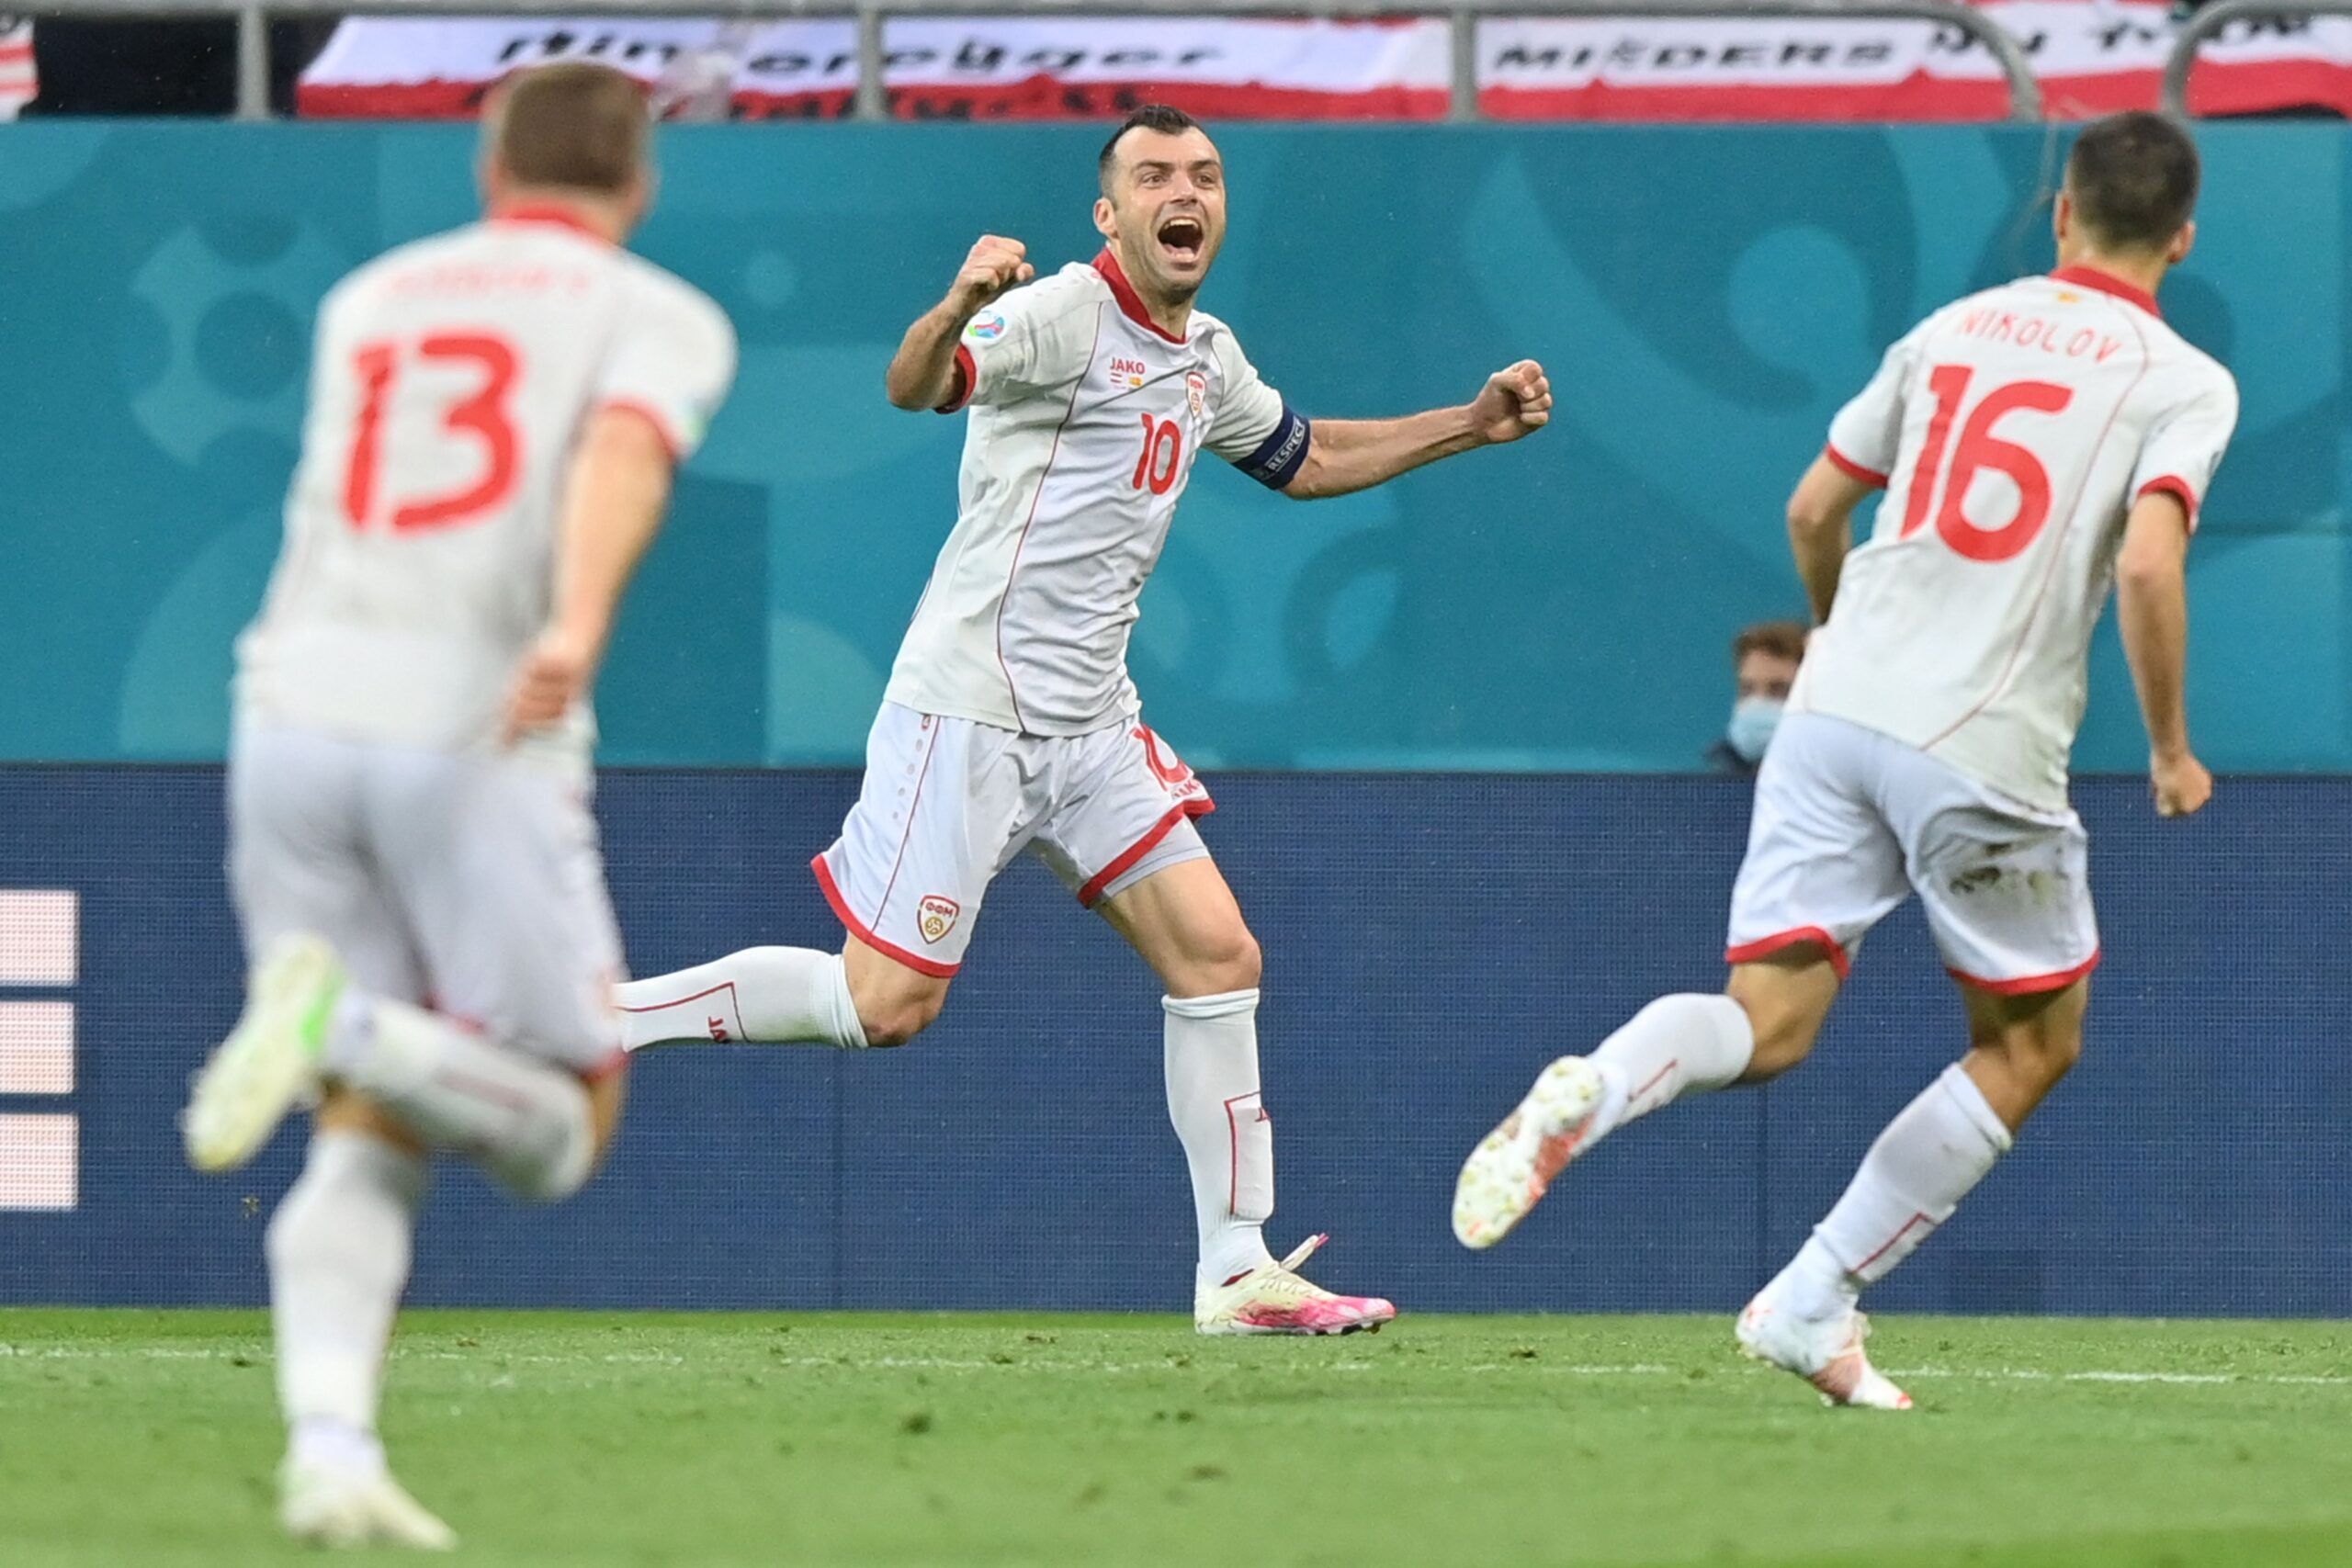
{"points": [[2038, 443]]}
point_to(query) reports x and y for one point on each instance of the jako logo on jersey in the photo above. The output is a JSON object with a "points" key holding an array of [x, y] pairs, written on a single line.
{"points": [[935, 917], [987, 327], [1131, 371], [1196, 388]]}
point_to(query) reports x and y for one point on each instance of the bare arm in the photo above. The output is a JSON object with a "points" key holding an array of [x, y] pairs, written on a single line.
{"points": [[924, 373], [613, 503], [2152, 607], [1348, 455], [1821, 529]]}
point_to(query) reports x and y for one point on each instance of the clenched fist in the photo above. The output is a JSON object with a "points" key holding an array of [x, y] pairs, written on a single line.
{"points": [[2181, 784], [1513, 402], [995, 265], [555, 673]]}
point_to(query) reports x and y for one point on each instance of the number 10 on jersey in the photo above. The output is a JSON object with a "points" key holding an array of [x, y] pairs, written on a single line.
{"points": [[1163, 454]]}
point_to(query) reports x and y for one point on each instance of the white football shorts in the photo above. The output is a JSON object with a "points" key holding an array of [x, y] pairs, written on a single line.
{"points": [[1849, 822], [949, 802], [470, 884]]}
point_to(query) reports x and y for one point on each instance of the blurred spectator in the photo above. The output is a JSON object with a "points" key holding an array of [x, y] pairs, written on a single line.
{"points": [[1764, 660], [158, 67], [16, 84]]}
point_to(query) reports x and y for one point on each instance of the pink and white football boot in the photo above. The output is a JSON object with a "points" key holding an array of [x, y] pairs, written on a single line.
{"points": [[1513, 1166], [1826, 1352], [1274, 1299]]}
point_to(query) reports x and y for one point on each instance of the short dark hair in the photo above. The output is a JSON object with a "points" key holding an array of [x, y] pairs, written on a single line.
{"points": [[2133, 177], [1166, 118], [1782, 639], [571, 126]]}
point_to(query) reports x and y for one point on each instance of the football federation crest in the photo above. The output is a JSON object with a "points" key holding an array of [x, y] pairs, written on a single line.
{"points": [[935, 917], [1196, 388]]}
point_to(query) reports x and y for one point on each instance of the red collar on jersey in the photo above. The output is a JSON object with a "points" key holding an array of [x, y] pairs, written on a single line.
{"points": [[2107, 283], [547, 212], [1125, 293]]}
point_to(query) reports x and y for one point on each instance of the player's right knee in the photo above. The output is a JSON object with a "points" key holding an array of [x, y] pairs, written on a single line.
{"points": [[898, 1019]]}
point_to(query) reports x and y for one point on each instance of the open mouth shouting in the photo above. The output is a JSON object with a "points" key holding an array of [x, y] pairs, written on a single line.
{"points": [[1184, 238]]}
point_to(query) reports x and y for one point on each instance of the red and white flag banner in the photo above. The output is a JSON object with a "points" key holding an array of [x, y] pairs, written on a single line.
{"points": [[2091, 57], [18, 85]]}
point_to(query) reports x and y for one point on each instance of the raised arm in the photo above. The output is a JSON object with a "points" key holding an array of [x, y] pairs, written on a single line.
{"points": [[1347, 455], [1821, 528], [2151, 608], [924, 374], [613, 505]]}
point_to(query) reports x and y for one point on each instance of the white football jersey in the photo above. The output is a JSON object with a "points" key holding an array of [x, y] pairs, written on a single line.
{"points": [[450, 381], [2012, 432], [1086, 419]]}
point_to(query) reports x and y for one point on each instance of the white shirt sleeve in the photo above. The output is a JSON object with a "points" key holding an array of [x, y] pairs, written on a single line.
{"points": [[1253, 428], [672, 360], [1867, 431], [1025, 345], [2185, 443]]}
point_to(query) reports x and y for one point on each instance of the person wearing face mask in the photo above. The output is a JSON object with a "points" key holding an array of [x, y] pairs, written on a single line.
{"points": [[1764, 660]]}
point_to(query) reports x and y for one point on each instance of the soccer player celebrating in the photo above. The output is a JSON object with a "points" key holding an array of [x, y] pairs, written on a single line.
{"points": [[1010, 723], [495, 414], [2037, 442]]}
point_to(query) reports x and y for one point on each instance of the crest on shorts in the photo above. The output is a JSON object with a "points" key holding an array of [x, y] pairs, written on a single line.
{"points": [[935, 917], [1196, 388]]}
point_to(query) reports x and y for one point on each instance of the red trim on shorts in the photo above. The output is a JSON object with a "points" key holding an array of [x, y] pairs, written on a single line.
{"points": [[2029, 985], [864, 933], [962, 395], [1764, 947], [1126, 859], [1853, 471], [663, 428], [2175, 487]]}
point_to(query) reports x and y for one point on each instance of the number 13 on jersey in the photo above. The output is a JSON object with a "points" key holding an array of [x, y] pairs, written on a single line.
{"points": [[479, 418]]}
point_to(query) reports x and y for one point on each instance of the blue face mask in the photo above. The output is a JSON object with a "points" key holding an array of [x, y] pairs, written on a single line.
{"points": [[1753, 719]]}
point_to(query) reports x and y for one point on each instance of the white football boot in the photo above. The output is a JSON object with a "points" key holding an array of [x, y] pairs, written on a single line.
{"points": [[1273, 1298], [270, 1061], [1511, 1167], [329, 1506], [1825, 1352]]}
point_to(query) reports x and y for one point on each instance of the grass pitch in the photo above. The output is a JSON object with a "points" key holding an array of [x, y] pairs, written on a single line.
{"points": [[130, 1437]]}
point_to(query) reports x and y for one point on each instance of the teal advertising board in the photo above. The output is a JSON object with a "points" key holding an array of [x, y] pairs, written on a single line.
{"points": [[1703, 299]]}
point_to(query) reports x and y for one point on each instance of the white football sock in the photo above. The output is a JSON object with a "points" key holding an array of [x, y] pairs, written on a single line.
{"points": [[766, 995], [1679, 1044], [528, 1123], [1937, 1148], [1213, 1097], [338, 1250]]}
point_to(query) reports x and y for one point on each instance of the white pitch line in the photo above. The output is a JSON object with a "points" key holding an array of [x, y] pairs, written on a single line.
{"points": [[1171, 1364]]}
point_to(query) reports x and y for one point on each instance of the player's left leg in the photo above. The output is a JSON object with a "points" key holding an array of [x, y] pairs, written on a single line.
{"points": [[1120, 835], [1929, 1157], [2006, 893], [1185, 924]]}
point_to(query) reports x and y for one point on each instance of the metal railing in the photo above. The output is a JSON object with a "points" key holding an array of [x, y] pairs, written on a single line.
{"points": [[2208, 23], [872, 101]]}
